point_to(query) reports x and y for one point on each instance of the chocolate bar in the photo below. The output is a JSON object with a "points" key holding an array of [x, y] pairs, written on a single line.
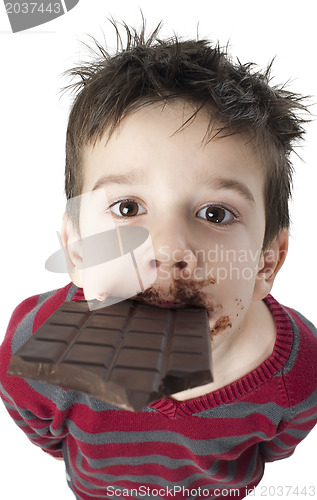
{"points": [[127, 354]]}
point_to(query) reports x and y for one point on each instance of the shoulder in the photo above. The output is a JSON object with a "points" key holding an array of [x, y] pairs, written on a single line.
{"points": [[25, 320], [29, 315], [306, 327], [304, 349], [300, 371], [293, 325], [40, 306]]}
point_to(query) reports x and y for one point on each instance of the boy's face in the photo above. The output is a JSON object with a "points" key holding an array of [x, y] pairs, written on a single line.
{"points": [[203, 206]]}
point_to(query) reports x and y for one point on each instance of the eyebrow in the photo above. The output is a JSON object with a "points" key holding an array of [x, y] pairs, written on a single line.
{"points": [[230, 184], [133, 177], [128, 178]]}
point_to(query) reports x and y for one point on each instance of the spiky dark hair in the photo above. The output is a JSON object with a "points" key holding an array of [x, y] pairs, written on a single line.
{"points": [[148, 70]]}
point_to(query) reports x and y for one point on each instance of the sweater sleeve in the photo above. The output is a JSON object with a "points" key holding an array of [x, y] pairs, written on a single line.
{"points": [[291, 432], [35, 413]]}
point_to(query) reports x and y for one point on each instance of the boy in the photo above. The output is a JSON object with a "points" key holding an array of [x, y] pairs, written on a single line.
{"points": [[173, 137]]}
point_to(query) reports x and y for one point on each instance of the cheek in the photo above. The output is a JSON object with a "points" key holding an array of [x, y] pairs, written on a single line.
{"points": [[94, 218], [116, 278], [233, 268], [232, 261], [116, 263]]}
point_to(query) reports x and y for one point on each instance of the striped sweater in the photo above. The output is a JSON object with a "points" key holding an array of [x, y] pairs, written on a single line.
{"points": [[214, 446]]}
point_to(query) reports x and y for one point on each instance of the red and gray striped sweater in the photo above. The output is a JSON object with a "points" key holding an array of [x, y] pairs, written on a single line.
{"points": [[191, 449]]}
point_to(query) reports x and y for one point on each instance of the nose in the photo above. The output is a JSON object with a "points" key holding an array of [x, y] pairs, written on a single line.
{"points": [[183, 265], [173, 252]]}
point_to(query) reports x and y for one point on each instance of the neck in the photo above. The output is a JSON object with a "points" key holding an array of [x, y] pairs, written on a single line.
{"points": [[236, 353]]}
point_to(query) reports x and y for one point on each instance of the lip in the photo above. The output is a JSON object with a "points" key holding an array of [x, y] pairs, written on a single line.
{"points": [[165, 304], [176, 305]]}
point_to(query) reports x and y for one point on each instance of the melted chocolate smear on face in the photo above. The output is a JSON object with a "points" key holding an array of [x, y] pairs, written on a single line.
{"points": [[186, 291], [239, 303], [220, 326]]}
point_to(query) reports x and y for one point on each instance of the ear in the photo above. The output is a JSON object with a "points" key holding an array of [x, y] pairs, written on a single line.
{"points": [[72, 246], [270, 263]]}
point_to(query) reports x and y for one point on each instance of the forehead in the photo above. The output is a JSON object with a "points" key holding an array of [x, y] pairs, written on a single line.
{"points": [[168, 141]]}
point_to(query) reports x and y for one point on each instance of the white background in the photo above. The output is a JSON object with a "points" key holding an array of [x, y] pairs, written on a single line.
{"points": [[33, 124]]}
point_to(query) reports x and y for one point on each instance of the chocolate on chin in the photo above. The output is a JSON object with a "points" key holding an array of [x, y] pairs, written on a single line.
{"points": [[127, 354]]}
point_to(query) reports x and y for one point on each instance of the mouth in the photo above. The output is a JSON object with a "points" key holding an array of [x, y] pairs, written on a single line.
{"points": [[173, 304], [165, 304], [177, 296]]}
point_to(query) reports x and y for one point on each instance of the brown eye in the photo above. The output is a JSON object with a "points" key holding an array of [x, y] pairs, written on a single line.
{"points": [[217, 215], [127, 208]]}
